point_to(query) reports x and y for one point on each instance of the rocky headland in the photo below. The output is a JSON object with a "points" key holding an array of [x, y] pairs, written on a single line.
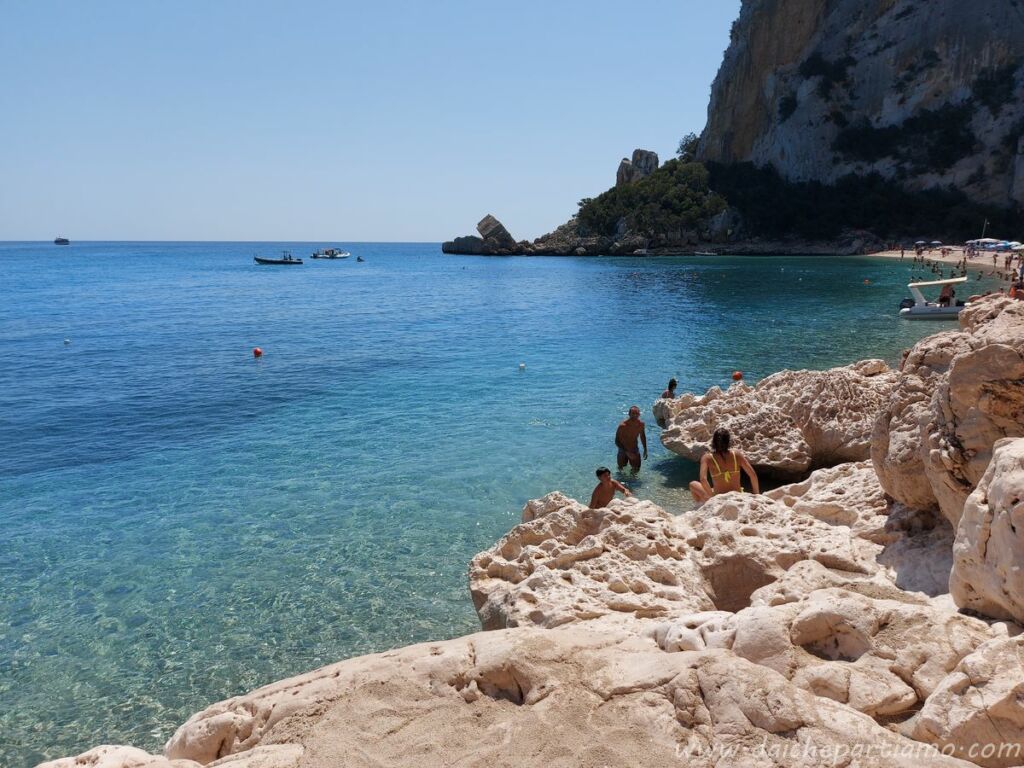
{"points": [[833, 127], [868, 614]]}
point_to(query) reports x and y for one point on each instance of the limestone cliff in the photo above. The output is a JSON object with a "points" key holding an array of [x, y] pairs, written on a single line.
{"points": [[926, 94]]}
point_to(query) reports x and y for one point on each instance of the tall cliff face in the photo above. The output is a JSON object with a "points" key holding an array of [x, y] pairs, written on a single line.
{"points": [[928, 93]]}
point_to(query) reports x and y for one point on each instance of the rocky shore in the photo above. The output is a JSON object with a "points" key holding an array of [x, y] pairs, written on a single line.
{"points": [[867, 614], [567, 240]]}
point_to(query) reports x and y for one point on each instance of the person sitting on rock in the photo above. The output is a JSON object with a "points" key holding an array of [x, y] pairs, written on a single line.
{"points": [[670, 393], [723, 465], [606, 488]]}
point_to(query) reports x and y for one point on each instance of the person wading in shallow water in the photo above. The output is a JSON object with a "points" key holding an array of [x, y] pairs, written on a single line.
{"points": [[606, 488], [625, 439], [723, 465]]}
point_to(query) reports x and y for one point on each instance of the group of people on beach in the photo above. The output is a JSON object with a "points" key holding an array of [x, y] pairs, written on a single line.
{"points": [[720, 468]]}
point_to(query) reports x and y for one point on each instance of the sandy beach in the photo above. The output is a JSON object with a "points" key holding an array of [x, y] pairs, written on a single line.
{"points": [[981, 262]]}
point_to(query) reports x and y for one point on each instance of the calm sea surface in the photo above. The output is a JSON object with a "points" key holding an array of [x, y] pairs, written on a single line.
{"points": [[180, 522]]}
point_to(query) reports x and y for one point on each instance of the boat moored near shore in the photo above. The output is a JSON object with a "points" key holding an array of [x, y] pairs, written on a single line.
{"points": [[919, 308]]}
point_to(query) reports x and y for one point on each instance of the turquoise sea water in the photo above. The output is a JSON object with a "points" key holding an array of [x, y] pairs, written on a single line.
{"points": [[180, 522]]}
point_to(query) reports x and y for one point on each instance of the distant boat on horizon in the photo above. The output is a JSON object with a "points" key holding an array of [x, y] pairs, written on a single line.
{"points": [[61, 240]]}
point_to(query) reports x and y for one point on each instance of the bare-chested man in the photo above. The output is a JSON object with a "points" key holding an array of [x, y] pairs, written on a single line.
{"points": [[606, 488], [625, 439]]}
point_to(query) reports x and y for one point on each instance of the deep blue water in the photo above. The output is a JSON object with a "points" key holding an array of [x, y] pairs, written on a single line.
{"points": [[180, 522]]}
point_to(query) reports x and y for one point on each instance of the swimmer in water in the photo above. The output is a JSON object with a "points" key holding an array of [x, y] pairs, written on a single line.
{"points": [[723, 465], [670, 393], [625, 440], [606, 488]]}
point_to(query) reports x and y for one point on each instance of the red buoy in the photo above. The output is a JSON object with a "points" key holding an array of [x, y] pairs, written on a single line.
{"points": [[737, 375], [257, 352]]}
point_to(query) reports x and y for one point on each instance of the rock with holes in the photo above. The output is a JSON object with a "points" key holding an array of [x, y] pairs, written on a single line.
{"points": [[569, 563], [988, 562], [848, 494], [116, 756], [957, 394], [742, 542], [789, 422], [805, 577], [977, 712], [566, 697], [880, 657]]}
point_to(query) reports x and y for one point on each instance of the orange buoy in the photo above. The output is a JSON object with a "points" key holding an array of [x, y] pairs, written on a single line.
{"points": [[737, 375], [867, 282], [257, 352]]}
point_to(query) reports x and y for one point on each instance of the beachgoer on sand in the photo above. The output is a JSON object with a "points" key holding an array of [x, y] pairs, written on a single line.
{"points": [[625, 440], [606, 488], [723, 465]]}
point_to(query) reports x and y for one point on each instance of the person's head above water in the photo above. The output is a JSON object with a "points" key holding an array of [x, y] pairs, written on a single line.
{"points": [[720, 440], [602, 471], [634, 412], [672, 383]]}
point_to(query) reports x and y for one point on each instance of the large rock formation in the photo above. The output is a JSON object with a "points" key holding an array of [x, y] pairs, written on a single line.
{"points": [[957, 394], [643, 164], [927, 94], [989, 550], [494, 240], [564, 697], [788, 423]]}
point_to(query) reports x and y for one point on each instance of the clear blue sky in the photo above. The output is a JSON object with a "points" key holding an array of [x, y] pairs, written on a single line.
{"points": [[318, 120]]}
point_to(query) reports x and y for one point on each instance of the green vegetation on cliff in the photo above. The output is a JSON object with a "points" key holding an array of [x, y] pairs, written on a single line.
{"points": [[674, 198]]}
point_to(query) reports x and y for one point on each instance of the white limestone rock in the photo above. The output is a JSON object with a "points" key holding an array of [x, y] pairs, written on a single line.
{"points": [[788, 423], [118, 756], [848, 494], [569, 563], [988, 556], [977, 712], [957, 394]]}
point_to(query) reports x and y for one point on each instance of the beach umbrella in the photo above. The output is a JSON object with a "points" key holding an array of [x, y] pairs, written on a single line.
{"points": [[936, 242], [1018, 247], [921, 242]]}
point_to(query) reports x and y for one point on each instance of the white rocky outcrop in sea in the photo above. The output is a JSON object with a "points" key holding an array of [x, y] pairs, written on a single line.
{"points": [[812, 625], [788, 423]]}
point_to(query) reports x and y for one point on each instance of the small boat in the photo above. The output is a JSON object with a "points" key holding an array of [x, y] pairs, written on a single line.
{"points": [[331, 253], [286, 259], [61, 240], [704, 253], [919, 308]]}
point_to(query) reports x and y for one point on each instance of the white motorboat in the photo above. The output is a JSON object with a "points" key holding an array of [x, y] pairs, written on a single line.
{"points": [[919, 308]]}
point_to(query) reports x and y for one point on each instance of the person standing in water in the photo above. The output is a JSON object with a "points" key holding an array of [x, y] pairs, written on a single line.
{"points": [[606, 488], [670, 393], [723, 465], [625, 439]]}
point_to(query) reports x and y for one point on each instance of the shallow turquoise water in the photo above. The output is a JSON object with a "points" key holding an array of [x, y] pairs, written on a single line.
{"points": [[180, 522]]}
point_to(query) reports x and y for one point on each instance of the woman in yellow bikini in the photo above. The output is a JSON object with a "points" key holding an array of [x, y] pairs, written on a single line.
{"points": [[723, 465]]}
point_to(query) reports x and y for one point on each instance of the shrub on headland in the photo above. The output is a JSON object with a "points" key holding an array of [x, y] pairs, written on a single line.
{"points": [[675, 197]]}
